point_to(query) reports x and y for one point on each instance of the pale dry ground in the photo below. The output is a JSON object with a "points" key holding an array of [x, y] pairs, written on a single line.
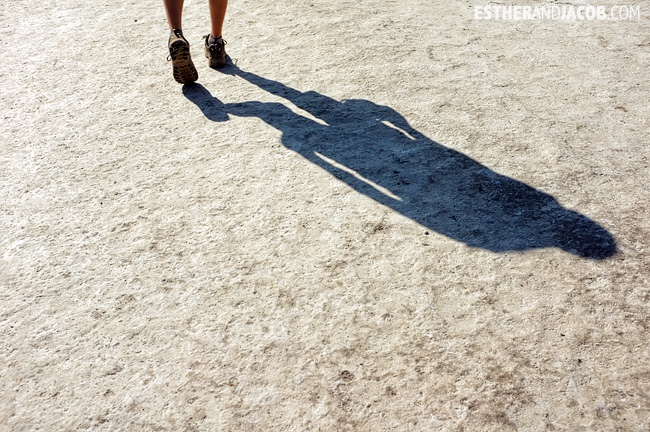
{"points": [[183, 259]]}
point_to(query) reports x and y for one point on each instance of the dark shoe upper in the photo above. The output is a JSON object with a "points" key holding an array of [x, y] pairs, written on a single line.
{"points": [[215, 51]]}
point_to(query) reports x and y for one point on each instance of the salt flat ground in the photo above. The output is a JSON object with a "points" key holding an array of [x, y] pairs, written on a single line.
{"points": [[385, 215]]}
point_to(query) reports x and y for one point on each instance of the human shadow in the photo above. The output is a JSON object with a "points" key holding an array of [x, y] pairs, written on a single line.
{"points": [[375, 151]]}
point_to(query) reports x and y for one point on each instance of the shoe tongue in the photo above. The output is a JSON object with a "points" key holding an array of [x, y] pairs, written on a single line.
{"points": [[177, 32]]}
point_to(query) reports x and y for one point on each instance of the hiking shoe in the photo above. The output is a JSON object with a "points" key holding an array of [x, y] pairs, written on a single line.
{"points": [[215, 52], [179, 54]]}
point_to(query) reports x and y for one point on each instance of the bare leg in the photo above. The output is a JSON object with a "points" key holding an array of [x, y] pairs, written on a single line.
{"points": [[179, 49], [174, 10], [217, 15]]}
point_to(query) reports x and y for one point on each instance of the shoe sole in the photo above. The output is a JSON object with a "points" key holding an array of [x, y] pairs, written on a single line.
{"points": [[182, 66]]}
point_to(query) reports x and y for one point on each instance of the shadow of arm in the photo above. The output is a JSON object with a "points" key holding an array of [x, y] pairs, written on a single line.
{"points": [[386, 115]]}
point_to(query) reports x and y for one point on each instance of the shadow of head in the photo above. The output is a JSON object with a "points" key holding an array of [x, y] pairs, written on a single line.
{"points": [[461, 199], [581, 236]]}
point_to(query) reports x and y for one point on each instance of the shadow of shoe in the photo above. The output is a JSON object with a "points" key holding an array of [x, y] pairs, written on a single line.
{"points": [[211, 107]]}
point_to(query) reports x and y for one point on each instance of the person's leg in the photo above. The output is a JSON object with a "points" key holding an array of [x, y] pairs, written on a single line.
{"points": [[174, 10], [179, 49], [215, 46], [217, 16]]}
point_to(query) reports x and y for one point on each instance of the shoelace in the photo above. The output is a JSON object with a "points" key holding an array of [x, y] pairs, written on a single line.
{"points": [[215, 47]]}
